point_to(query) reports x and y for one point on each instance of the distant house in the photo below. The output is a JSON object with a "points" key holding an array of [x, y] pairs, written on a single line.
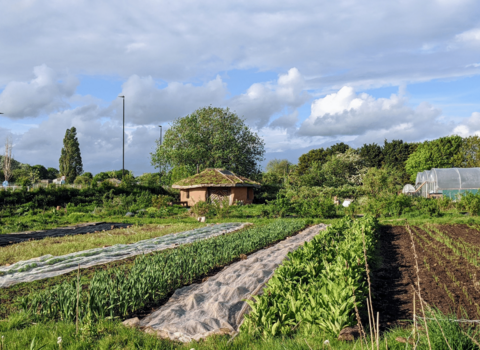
{"points": [[216, 184], [59, 181]]}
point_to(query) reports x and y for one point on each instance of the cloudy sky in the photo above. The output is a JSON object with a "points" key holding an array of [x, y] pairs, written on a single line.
{"points": [[303, 74]]}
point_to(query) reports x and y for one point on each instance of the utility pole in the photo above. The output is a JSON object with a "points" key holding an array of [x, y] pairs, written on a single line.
{"points": [[123, 155]]}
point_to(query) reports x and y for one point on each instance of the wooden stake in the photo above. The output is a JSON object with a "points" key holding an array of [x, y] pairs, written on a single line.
{"points": [[370, 323], [414, 319], [378, 331], [78, 297]]}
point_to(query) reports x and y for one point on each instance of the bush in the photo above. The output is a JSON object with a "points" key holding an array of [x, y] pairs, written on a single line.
{"points": [[161, 201], [470, 202], [82, 180], [201, 209]]}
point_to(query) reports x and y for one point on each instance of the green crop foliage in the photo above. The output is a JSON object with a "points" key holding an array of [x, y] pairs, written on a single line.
{"points": [[119, 292], [317, 287]]}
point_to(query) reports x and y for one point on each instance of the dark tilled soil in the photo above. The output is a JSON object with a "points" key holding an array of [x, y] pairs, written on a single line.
{"points": [[395, 276], [81, 229]]}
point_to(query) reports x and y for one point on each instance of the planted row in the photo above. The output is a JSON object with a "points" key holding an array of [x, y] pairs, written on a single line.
{"points": [[120, 291], [317, 287]]}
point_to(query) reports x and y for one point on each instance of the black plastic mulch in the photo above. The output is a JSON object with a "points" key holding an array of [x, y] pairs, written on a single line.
{"points": [[81, 229]]}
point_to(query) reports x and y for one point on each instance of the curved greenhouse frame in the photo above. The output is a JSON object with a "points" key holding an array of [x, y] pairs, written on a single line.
{"points": [[450, 181]]}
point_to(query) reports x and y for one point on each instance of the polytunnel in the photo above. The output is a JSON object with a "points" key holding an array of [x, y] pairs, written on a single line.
{"points": [[449, 182]]}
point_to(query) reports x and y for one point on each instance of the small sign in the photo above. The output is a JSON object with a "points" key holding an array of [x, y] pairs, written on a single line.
{"points": [[5, 183]]}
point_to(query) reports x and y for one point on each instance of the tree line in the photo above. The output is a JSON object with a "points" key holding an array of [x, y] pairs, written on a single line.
{"points": [[213, 137]]}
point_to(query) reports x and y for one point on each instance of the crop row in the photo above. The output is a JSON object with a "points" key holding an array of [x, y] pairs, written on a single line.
{"points": [[459, 248], [439, 256], [318, 286], [119, 292]]}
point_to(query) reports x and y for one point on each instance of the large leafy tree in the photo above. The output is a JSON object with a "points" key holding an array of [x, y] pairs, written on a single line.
{"points": [[396, 152], [439, 153], [372, 155], [469, 155], [321, 156], [70, 159], [211, 137]]}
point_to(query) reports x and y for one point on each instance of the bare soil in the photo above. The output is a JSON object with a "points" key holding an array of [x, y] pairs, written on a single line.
{"points": [[447, 280]]}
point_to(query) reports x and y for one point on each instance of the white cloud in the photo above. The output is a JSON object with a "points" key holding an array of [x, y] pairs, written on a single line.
{"points": [[346, 113], [469, 126], [262, 100], [146, 103], [45, 93], [472, 35]]}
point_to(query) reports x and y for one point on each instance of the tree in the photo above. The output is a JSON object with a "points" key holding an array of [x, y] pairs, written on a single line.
{"points": [[469, 154], [396, 153], [319, 155], [339, 170], [7, 160], [52, 173], [280, 167], [439, 153], [70, 159], [372, 155], [211, 137], [42, 172]]}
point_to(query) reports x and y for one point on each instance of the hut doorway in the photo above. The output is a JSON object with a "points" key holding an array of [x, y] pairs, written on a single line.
{"points": [[219, 194]]}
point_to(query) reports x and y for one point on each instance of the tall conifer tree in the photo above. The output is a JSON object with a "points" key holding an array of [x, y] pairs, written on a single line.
{"points": [[71, 160]]}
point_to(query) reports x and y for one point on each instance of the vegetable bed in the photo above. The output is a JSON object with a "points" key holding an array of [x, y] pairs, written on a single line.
{"points": [[119, 292], [316, 289], [49, 266]]}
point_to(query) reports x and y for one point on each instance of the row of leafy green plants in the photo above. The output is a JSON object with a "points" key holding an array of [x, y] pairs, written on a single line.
{"points": [[318, 287], [121, 291]]}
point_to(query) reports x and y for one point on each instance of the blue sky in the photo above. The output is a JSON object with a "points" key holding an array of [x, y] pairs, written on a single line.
{"points": [[304, 74]]}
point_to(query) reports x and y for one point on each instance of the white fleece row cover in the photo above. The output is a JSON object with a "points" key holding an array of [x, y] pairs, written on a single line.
{"points": [[49, 266], [215, 306]]}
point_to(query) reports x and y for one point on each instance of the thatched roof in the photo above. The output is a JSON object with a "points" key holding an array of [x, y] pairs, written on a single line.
{"points": [[215, 178]]}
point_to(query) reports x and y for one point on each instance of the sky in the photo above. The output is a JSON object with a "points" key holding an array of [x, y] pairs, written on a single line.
{"points": [[303, 74]]}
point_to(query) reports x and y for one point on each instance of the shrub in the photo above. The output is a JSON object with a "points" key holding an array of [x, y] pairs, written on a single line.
{"points": [[201, 209], [471, 202]]}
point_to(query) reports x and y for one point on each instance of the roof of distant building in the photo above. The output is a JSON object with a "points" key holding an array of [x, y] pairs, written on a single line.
{"points": [[215, 178]]}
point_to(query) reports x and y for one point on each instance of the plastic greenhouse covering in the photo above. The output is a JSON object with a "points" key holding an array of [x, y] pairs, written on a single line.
{"points": [[449, 179]]}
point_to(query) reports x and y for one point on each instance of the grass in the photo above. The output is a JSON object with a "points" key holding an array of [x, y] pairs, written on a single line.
{"points": [[19, 333], [448, 218], [70, 244]]}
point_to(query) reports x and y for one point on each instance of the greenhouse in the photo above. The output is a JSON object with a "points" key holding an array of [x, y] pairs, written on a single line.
{"points": [[448, 182]]}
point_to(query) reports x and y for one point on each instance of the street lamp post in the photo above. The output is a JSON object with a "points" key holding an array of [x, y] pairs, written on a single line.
{"points": [[123, 155]]}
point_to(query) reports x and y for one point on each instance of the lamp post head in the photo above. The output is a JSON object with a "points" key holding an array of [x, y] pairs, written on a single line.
{"points": [[121, 96]]}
